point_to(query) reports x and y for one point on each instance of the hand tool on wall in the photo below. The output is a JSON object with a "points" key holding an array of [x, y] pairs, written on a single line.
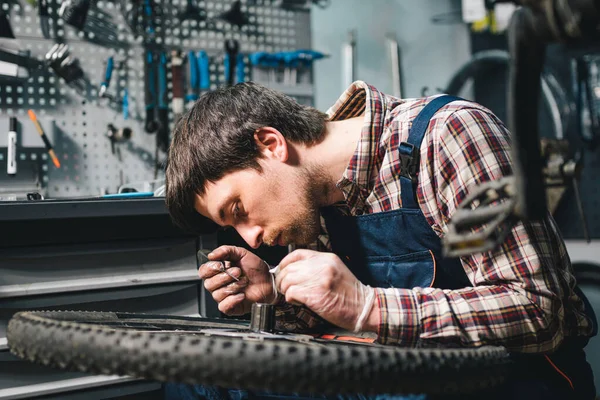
{"points": [[150, 95], [44, 17], [235, 16], [177, 103], [11, 156], [16, 64], [162, 136], [74, 12], [232, 48], [281, 62], [240, 68], [192, 12], [5, 27], [65, 65], [203, 71], [117, 136], [191, 79], [49, 148], [265, 61], [303, 59], [107, 76], [125, 104]]}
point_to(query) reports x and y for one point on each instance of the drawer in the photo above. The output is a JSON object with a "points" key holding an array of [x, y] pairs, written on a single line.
{"points": [[23, 380], [77, 268]]}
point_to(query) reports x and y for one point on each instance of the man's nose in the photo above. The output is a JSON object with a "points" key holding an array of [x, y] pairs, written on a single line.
{"points": [[252, 235]]}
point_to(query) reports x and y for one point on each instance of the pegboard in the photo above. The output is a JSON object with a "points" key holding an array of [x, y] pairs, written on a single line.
{"points": [[76, 122]]}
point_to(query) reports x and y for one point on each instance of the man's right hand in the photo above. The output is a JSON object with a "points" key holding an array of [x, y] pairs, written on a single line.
{"points": [[254, 285]]}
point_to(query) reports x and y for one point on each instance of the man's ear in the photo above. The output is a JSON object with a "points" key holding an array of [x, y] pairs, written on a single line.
{"points": [[271, 143]]}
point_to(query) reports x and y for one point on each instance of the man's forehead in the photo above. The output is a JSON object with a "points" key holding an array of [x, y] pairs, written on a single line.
{"points": [[210, 198]]}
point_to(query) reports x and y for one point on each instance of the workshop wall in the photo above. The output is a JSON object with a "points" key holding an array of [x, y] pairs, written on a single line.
{"points": [[104, 141], [430, 52]]}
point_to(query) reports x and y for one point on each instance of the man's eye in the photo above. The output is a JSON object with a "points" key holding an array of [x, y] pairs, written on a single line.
{"points": [[236, 211]]}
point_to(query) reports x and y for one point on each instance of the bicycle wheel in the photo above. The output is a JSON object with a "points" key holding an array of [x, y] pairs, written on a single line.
{"points": [[225, 353]]}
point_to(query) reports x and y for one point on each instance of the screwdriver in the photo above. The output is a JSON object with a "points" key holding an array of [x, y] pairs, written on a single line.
{"points": [[33, 117], [107, 77]]}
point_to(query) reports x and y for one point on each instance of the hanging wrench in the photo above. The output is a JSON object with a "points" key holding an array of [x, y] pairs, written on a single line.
{"points": [[232, 48]]}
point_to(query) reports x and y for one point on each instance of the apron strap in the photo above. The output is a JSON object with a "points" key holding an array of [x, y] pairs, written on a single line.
{"points": [[410, 150]]}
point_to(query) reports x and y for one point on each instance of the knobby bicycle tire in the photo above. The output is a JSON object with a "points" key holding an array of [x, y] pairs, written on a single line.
{"points": [[115, 343]]}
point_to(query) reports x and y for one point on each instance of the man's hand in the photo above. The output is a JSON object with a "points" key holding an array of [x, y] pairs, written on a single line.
{"points": [[236, 297], [323, 283]]}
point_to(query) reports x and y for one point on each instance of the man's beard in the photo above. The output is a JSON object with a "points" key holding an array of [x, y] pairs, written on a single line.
{"points": [[306, 223]]}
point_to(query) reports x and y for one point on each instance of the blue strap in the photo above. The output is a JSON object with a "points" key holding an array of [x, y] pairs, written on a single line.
{"points": [[410, 150]]}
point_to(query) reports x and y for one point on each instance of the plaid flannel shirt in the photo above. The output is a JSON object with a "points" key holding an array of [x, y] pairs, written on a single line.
{"points": [[522, 292]]}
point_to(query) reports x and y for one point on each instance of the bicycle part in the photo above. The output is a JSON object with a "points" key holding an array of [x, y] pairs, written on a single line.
{"points": [[174, 349], [589, 118], [527, 51], [483, 219], [553, 94], [262, 318]]}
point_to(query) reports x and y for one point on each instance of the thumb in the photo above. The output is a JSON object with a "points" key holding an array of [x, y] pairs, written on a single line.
{"points": [[297, 255]]}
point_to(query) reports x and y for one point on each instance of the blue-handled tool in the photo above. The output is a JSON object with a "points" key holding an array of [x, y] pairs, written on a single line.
{"points": [[294, 60], [162, 136], [125, 104], [177, 89], [192, 79], [107, 76], [151, 125], [281, 59], [239, 69], [264, 60], [203, 71]]}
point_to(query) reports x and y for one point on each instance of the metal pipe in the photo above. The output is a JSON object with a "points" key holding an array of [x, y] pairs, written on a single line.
{"points": [[396, 66], [349, 60]]}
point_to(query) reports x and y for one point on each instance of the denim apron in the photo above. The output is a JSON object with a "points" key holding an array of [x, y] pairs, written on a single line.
{"points": [[400, 249]]}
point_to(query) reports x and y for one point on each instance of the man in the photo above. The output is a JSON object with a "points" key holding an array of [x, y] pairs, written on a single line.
{"points": [[375, 181]]}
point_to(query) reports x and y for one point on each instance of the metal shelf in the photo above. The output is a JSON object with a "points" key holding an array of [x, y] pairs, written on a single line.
{"points": [[80, 208], [29, 224]]}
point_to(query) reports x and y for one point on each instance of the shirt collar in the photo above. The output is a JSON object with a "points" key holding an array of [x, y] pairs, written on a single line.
{"points": [[361, 99]]}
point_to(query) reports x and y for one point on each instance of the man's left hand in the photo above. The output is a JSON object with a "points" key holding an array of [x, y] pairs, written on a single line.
{"points": [[323, 283]]}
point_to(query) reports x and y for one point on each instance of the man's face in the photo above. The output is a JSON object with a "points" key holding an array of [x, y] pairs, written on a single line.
{"points": [[277, 206]]}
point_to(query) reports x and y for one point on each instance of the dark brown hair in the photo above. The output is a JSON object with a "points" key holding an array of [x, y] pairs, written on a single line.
{"points": [[216, 137]]}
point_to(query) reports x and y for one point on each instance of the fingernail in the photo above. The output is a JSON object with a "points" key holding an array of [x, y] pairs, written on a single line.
{"points": [[210, 254]]}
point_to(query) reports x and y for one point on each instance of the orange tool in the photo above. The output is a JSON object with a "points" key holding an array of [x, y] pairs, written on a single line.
{"points": [[44, 138]]}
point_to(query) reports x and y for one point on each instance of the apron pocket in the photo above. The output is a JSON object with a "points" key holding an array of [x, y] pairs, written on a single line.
{"points": [[406, 271]]}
